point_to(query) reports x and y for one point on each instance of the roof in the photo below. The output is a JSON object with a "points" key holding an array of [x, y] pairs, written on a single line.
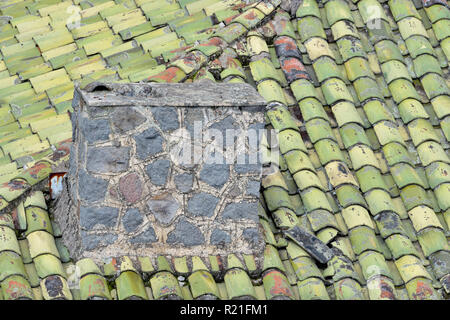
{"points": [[362, 106]]}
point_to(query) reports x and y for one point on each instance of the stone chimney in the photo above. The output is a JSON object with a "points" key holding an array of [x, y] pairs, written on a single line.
{"points": [[163, 169]]}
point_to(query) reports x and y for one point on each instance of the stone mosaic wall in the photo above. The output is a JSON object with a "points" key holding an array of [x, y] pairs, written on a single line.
{"points": [[137, 186]]}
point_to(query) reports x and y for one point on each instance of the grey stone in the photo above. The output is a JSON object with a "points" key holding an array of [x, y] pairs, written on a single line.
{"points": [[92, 241], [73, 161], [158, 171], [91, 216], [234, 190], [215, 171], [108, 159], [241, 210], [243, 165], [256, 126], [219, 237], [186, 233], [197, 94], [98, 111], [252, 236], [216, 175], [253, 188], [148, 143], [94, 130], [147, 236], [202, 204], [167, 117], [164, 207], [132, 219], [224, 125], [90, 188], [126, 119], [184, 182], [192, 116]]}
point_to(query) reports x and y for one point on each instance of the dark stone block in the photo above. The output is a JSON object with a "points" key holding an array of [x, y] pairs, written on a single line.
{"points": [[253, 188], [95, 130], [91, 216], [192, 116], [241, 210], [108, 159], [167, 117], [148, 143], [184, 182], [216, 175], [186, 233], [224, 125], [130, 187], [93, 241], [164, 207], [147, 236], [126, 119], [252, 236], [132, 219], [245, 165], [90, 188], [220, 237], [202, 204], [158, 171]]}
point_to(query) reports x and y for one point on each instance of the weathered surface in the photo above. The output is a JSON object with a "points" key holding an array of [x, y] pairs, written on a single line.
{"points": [[141, 184], [196, 94], [311, 244]]}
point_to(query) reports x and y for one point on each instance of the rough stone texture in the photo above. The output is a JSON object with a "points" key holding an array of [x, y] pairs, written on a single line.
{"points": [[94, 216], [92, 189], [241, 210], [130, 187], [148, 143], [95, 130], [158, 171], [164, 207], [219, 237], [226, 124], [196, 94], [191, 116], [215, 174], [126, 119], [147, 236], [92, 241], [108, 159], [186, 233], [128, 193], [167, 118], [132, 219], [247, 167], [184, 182], [252, 236], [202, 204]]}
